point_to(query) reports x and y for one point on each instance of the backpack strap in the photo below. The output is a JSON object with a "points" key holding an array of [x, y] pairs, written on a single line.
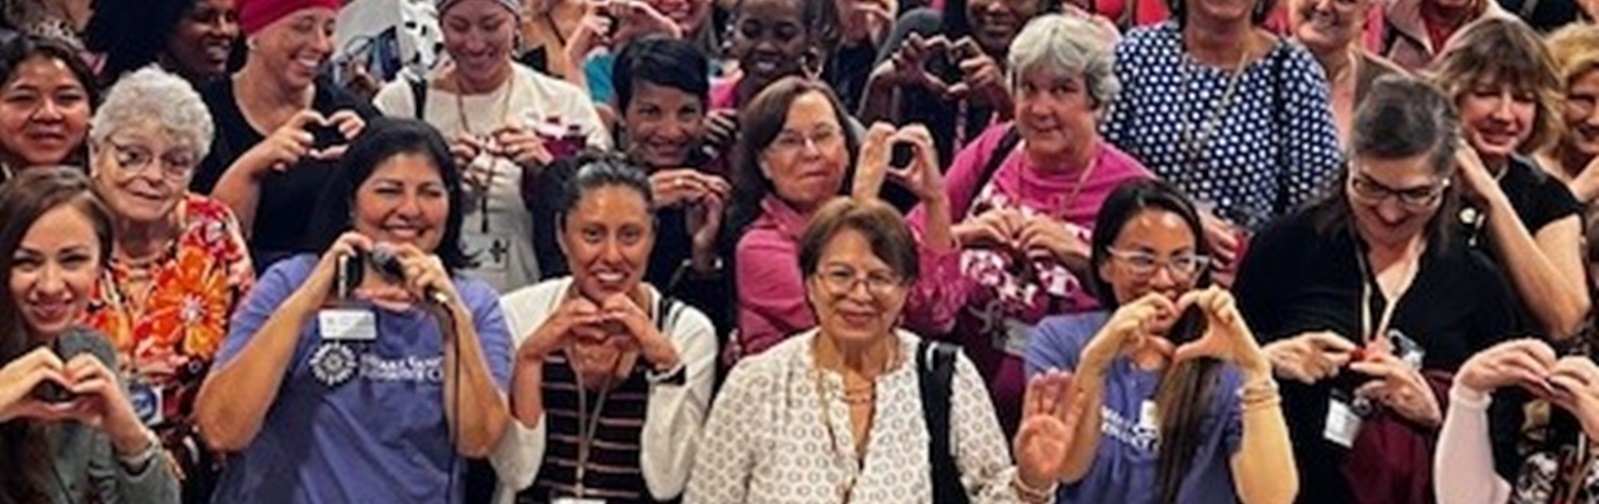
{"points": [[419, 96], [1279, 72], [1007, 144], [935, 376]]}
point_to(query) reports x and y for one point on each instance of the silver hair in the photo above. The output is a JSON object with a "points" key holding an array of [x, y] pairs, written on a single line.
{"points": [[1071, 44], [153, 96]]}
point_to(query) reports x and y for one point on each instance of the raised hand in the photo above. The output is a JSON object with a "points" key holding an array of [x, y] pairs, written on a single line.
{"points": [[522, 146], [1227, 337], [982, 79], [1576, 389], [721, 132], [871, 166], [1133, 327], [559, 328], [683, 187], [908, 65], [1048, 427], [1310, 357], [1526, 362], [923, 175], [1044, 237], [996, 228], [653, 345], [19, 378], [1399, 387]]}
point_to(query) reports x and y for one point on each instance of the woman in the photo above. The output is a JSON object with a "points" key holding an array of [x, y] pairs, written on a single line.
{"points": [[830, 415], [1026, 194], [546, 29], [1558, 468], [280, 126], [1416, 32], [795, 155], [1501, 78], [606, 31], [1367, 300], [1574, 159], [191, 38], [1333, 31], [82, 441], [512, 107], [1233, 115], [178, 266], [945, 68], [380, 387], [46, 96], [1208, 429], [603, 347], [772, 39], [662, 130]]}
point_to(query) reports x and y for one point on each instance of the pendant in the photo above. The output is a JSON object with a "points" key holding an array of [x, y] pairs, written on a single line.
{"points": [[333, 364]]}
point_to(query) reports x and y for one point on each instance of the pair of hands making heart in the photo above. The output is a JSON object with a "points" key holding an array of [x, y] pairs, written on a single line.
{"points": [[1572, 382], [422, 272], [982, 79], [1143, 325], [98, 400], [921, 174], [701, 195], [613, 23], [295, 140], [616, 321], [1029, 236], [516, 144], [1315, 356]]}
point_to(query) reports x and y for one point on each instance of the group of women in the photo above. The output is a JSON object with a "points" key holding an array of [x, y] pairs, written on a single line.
{"points": [[1195, 262]]}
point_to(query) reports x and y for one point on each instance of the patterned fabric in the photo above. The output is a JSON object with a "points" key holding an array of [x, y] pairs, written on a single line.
{"points": [[1255, 143], [167, 332]]}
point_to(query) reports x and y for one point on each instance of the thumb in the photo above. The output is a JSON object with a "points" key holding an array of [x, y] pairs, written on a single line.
{"points": [[304, 118]]}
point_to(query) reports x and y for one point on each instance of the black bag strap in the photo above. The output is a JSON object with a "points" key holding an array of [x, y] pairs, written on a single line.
{"points": [[935, 376], [666, 310], [1279, 71], [419, 96], [1007, 143]]}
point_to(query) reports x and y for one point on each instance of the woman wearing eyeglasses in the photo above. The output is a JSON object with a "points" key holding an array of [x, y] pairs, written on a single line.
{"points": [[1368, 300], [1160, 423], [178, 265]]}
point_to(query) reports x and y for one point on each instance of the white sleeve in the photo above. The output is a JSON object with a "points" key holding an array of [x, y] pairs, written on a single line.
{"points": [[978, 445], [676, 409], [1463, 465], [726, 455], [395, 99], [520, 451]]}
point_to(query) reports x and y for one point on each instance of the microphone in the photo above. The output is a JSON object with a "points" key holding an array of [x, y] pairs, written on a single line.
{"points": [[387, 263]]}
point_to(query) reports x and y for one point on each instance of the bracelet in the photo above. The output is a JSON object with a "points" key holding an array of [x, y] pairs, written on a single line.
{"points": [[1029, 494], [138, 462], [1258, 390]]}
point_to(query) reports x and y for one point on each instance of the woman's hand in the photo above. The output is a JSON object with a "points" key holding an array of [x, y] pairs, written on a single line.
{"points": [[1477, 184], [522, 146], [704, 222], [1227, 337], [721, 131], [557, 330], [996, 229], [685, 187], [103, 405], [285, 146], [320, 285], [923, 176], [21, 376], [1400, 387], [1526, 362], [1310, 357], [1043, 237], [1048, 427], [653, 345], [593, 32], [982, 80], [638, 18], [908, 65], [1576, 389], [1132, 327], [871, 165], [426, 279]]}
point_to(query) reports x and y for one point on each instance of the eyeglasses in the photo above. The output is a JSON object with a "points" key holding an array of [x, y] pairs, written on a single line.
{"points": [[841, 281], [1415, 198], [790, 141], [1144, 264], [135, 158]]}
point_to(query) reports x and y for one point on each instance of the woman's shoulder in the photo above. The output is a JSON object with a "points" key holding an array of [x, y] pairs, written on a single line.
{"points": [[567, 93], [768, 367], [537, 297], [1146, 38]]}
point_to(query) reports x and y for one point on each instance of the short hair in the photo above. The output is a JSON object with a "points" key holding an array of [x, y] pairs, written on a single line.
{"points": [[1404, 116], [661, 61], [132, 34], [1070, 44], [383, 139], [1505, 51], [596, 170], [151, 95], [27, 46], [883, 226], [1575, 51]]}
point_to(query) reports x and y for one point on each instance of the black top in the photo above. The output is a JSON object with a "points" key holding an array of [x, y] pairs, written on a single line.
{"points": [[283, 214], [1539, 200], [1295, 279], [1544, 15], [847, 71], [613, 466]]}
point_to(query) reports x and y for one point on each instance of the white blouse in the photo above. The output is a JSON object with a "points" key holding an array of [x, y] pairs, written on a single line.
{"points": [[767, 440]]}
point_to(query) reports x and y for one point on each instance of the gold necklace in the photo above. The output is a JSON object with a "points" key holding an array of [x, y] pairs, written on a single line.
{"points": [[1194, 145], [505, 91]]}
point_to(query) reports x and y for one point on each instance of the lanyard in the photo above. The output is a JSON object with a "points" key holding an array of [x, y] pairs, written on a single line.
{"points": [[1368, 277], [588, 428]]}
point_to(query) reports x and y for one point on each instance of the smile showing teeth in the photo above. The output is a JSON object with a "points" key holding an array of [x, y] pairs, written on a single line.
{"points": [[610, 277]]}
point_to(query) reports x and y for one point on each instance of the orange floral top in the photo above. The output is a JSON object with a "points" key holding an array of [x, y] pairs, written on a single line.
{"points": [[189, 292]]}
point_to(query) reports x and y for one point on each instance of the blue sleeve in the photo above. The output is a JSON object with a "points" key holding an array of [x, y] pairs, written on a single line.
{"points": [[274, 286], [1057, 341], [597, 72], [1231, 409], [1311, 141], [493, 334]]}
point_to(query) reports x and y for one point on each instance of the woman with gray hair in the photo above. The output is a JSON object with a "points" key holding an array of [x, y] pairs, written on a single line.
{"points": [[178, 264], [1026, 195]]}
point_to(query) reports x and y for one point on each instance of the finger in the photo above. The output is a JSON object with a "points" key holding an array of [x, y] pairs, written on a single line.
{"points": [[330, 153], [1379, 369], [303, 119], [1329, 342]]}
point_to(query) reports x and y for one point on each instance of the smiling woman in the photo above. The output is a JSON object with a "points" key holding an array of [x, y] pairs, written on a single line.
{"points": [[192, 38], [46, 96]]}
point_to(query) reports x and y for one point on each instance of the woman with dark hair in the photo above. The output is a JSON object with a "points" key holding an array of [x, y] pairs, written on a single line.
{"points": [[830, 415], [280, 124], [46, 96], [374, 369], [67, 428], [1202, 397], [1502, 79], [604, 347], [795, 155], [1367, 301], [191, 38], [1233, 115]]}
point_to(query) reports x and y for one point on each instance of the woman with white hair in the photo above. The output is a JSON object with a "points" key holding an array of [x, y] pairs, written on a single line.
{"points": [[1025, 195], [178, 265]]}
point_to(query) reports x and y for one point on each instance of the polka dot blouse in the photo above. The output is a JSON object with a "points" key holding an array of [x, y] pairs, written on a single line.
{"points": [[1253, 144]]}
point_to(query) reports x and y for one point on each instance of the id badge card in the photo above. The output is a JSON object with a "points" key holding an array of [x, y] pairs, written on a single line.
{"points": [[147, 402], [1016, 336], [576, 500], [1148, 416], [347, 324], [493, 252], [1343, 424]]}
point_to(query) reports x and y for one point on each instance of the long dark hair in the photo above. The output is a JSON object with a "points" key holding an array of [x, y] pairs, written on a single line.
{"points": [[132, 34], [27, 46], [380, 141], [23, 200], [1188, 389]]}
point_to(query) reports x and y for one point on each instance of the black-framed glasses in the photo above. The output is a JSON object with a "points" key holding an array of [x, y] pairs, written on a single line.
{"points": [[1415, 198], [1143, 264], [842, 280], [135, 158]]}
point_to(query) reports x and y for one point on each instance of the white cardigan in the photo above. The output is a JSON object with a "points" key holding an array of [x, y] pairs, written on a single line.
{"points": [[672, 420]]}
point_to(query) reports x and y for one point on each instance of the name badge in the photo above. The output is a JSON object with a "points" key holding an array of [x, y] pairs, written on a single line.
{"points": [[1148, 416], [492, 252], [348, 324], [146, 400], [1342, 424], [575, 500], [1017, 334]]}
